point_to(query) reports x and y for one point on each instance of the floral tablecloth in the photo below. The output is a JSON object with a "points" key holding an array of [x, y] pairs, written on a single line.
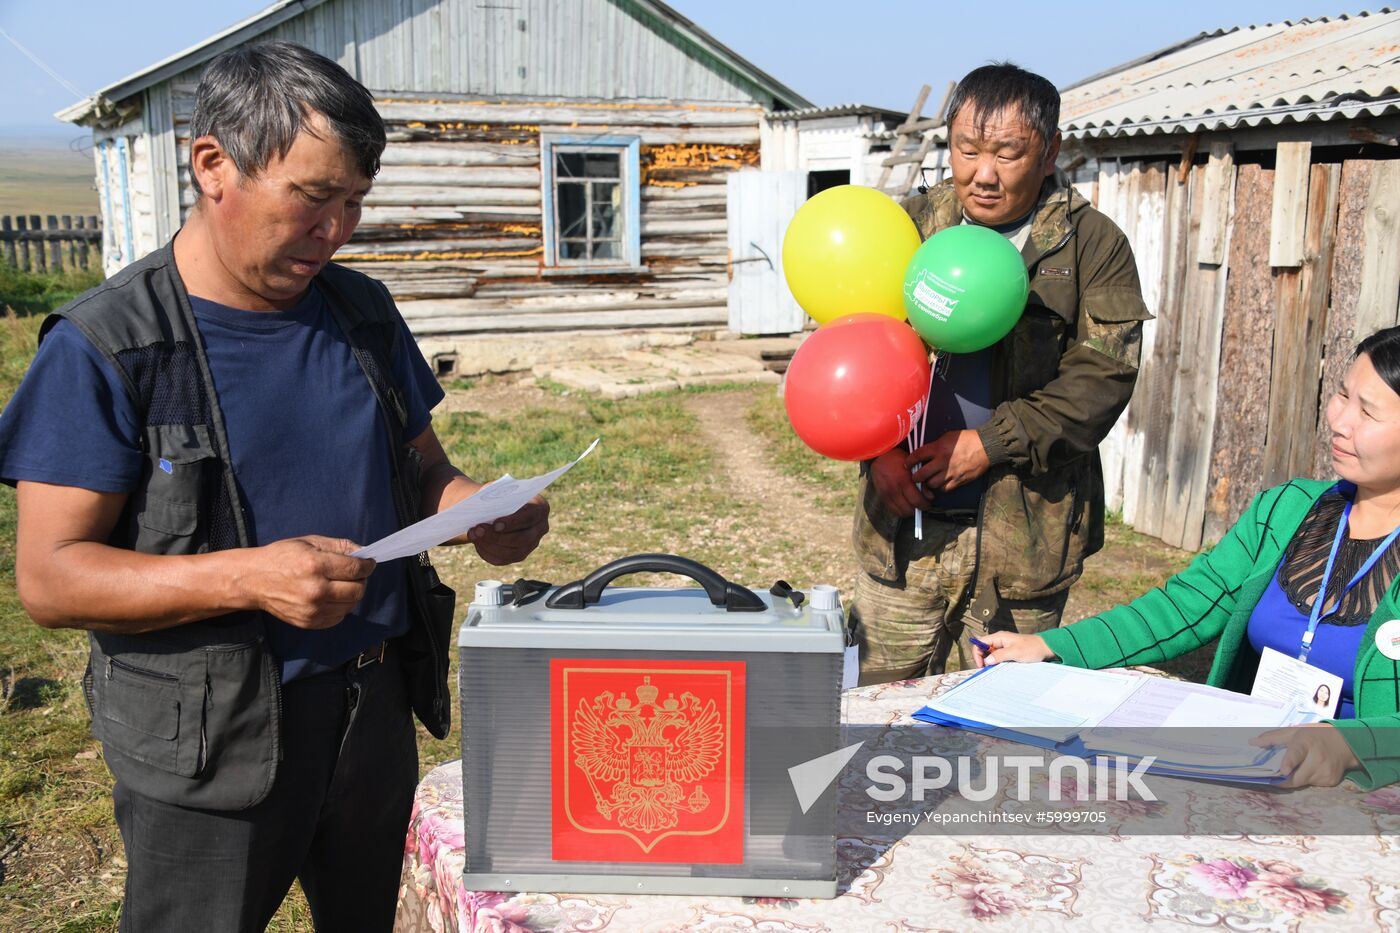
{"points": [[936, 882]]}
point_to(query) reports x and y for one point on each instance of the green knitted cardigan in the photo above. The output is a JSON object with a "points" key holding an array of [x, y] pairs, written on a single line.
{"points": [[1213, 598]]}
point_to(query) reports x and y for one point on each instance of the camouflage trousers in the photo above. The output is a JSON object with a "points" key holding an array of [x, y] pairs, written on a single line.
{"points": [[920, 629]]}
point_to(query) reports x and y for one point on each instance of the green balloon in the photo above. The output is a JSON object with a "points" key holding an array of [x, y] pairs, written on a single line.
{"points": [[965, 288]]}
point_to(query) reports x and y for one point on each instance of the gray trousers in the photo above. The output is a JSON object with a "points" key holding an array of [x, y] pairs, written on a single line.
{"points": [[335, 819]]}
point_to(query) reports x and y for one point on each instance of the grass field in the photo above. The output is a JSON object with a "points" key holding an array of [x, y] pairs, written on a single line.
{"points": [[46, 181]]}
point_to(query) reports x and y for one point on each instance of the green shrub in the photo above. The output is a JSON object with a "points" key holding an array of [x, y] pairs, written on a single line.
{"points": [[41, 292]]}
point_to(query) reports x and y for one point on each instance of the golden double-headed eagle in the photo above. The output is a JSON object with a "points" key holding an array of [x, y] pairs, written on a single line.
{"points": [[649, 752]]}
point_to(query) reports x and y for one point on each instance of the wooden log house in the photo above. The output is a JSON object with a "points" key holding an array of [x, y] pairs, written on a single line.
{"points": [[553, 165]]}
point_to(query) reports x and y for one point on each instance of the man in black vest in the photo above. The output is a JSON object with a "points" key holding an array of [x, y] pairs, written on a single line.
{"points": [[201, 443]]}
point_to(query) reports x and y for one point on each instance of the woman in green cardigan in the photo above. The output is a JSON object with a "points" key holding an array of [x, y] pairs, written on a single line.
{"points": [[1257, 588]]}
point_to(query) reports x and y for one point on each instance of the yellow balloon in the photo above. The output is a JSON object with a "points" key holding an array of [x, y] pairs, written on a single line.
{"points": [[845, 252]]}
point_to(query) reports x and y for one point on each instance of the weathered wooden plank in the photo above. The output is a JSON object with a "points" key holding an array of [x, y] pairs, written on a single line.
{"points": [[527, 138], [1156, 468], [36, 250], [1220, 170], [708, 193], [1346, 283], [1197, 377], [659, 209], [624, 318], [414, 195], [1246, 345], [583, 300], [568, 113], [683, 226], [1113, 201], [437, 233], [689, 248], [459, 176], [1320, 244], [1147, 194], [7, 244], [1376, 305], [1286, 226], [483, 244], [413, 215], [1299, 332], [429, 153]]}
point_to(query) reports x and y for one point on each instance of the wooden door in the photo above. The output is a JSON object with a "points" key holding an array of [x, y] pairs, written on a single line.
{"points": [[760, 204]]}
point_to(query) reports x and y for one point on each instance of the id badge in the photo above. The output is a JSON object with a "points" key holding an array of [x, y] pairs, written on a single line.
{"points": [[1297, 683]]}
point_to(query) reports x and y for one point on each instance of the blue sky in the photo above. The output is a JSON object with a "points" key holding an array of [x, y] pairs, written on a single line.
{"points": [[832, 51]]}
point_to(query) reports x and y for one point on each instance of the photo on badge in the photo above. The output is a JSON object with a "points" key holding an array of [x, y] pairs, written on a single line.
{"points": [[1297, 683]]}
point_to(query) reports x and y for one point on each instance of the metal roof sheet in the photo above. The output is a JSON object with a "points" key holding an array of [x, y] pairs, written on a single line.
{"points": [[839, 110], [679, 31], [1323, 69]]}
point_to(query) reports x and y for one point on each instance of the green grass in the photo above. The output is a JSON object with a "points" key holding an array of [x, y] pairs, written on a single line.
{"points": [[53, 787], [41, 292]]}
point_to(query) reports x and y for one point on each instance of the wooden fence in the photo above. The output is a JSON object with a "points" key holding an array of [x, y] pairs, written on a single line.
{"points": [[57, 243], [1261, 279]]}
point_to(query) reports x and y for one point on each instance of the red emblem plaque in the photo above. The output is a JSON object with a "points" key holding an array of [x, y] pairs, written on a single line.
{"points": [[647, 761]]}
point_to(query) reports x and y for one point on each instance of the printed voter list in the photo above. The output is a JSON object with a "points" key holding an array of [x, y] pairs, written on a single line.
{"points": [[495, 500]]}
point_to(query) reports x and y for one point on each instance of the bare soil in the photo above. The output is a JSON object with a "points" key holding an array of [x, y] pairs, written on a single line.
{"points": [[749, 475]]}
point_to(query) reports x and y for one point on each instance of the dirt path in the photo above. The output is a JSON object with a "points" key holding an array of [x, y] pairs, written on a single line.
{"points": [[752, 478]]}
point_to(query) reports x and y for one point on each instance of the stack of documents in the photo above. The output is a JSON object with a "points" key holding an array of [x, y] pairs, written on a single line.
{"points": [[1190, 729]]}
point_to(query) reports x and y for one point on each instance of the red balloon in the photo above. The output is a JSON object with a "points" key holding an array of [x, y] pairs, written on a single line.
{"points": [[856, 386]]}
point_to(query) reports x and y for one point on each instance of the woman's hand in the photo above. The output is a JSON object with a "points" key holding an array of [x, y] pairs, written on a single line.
{"points": [[1317, 756], [1009, 646]]}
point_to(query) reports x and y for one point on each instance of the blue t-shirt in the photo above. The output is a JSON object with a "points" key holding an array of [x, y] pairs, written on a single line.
{"points": [[310, 451], [1278, 624], [959, 399]]}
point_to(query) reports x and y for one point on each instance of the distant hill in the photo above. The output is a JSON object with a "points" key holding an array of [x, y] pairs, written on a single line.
{"points": [[46, 170]]}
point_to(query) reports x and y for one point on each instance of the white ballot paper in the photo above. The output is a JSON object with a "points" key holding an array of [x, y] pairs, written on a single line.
{"points": [[492, 501]]}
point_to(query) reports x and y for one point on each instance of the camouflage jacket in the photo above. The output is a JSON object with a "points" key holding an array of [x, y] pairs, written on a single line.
{"points": [[1060, 380]]}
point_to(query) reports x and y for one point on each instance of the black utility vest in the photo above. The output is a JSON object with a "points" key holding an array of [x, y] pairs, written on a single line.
{"points": [[191, 714]]}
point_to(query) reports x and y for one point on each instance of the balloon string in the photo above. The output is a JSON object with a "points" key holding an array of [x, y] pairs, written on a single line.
{"points": [[920, 430], [918, 513]]}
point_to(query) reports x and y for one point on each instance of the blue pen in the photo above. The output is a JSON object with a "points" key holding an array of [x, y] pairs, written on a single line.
{"points": [[986, 648]]}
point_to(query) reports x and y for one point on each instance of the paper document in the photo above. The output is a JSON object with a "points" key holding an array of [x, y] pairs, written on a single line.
{"points": [[494, 500], [1036, 696], [1191, 730]]}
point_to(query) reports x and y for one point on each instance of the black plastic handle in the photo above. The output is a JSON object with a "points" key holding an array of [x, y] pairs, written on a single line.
{"points": [[586, 592]]}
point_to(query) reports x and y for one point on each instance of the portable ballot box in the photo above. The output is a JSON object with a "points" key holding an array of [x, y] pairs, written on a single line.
{"points": [[621, 740]]}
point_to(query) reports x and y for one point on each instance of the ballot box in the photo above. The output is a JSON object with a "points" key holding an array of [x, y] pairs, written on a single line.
{"points": [[620, 739]]}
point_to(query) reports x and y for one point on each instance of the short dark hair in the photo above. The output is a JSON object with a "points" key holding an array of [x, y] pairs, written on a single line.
{"points": [[1001, 85], [255, 99], [1383, 347]]}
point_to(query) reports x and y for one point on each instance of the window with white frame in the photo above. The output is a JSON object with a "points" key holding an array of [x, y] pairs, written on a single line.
{"points": [[591, 201]]}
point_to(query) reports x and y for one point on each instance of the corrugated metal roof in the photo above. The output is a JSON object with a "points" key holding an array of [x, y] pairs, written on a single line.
{"points": [[1323, 69], [489, 53], [893, 117]]}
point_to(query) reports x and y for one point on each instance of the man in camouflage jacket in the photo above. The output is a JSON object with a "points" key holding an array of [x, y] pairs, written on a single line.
{"points": [[1058, 382]]}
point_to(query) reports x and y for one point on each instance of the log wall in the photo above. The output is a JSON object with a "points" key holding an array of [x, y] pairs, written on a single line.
{"points": [[453, 224]]}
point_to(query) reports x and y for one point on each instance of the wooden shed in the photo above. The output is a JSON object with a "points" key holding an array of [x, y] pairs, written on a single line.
{"points": [[1257, 174], [553, 165]]}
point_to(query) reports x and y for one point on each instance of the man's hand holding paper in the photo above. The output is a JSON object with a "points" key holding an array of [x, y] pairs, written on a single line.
{"points": [[504, 519]]}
